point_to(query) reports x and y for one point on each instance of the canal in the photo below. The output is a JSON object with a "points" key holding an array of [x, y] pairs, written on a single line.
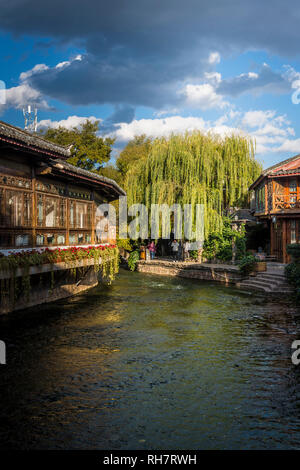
{"points": [[151, 363]]}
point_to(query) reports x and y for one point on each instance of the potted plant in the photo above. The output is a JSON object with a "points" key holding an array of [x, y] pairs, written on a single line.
{"points": [[247, 265], [260, 265]]}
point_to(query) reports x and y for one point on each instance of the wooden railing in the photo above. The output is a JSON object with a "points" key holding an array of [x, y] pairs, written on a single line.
{"points": [[285, 202]]}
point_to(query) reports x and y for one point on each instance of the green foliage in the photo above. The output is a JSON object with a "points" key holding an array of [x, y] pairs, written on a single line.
{"points": [[195, 169], [133, 259], [194, 254], [89, 151], [106, 259], [247, 264], [111, 172], [293, 249], [136, 150], [218, 245], [292, 273], [126, 244]]}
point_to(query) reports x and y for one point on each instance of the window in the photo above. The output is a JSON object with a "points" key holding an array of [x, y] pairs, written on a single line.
{"points": [[40, 239], [80, 215], [18, 206], [293, 191], [260, 199], [50, 211], [293, 231], [22, 240]]}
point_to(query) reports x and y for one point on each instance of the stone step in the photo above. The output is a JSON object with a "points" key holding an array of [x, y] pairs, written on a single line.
{"points": [[271, 275], [271, 280], [253, 286]]}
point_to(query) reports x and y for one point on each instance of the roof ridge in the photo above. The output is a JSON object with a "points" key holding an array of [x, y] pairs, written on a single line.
{"points": [[283, 162], [35, 140]]}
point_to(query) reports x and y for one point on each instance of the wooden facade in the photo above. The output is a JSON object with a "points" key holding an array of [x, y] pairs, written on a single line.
{"points": [[45, 201], [277, 203]]}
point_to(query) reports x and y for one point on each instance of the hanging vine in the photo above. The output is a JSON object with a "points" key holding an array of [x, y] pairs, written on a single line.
{"points": [[106, 260]]}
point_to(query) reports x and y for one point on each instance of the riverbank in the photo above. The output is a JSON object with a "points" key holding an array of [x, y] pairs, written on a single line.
{"points": [[272, 281], [225, 273]]}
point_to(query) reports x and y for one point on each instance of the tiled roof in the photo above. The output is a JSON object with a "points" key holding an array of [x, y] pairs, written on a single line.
{"points": [[31, 142], [64, 167], [272, 170]]}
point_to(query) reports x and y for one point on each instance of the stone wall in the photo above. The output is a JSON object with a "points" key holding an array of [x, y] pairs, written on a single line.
{"points": [[227, 274], [66, 284]]}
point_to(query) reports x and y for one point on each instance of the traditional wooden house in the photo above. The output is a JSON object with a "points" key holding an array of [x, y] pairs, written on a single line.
{"points": [[277, 204], [45, 202]]}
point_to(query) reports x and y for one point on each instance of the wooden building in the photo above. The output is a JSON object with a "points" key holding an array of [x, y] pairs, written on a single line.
{"points": [[44, 200], [47, 203], [277, 203]]}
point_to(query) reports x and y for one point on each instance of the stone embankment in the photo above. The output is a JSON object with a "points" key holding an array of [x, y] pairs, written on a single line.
{"points": [[272, 281]]}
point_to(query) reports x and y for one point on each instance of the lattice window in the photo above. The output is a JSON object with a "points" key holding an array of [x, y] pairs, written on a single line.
{"points": [[51, 211], [17, 209], [80, 215]]}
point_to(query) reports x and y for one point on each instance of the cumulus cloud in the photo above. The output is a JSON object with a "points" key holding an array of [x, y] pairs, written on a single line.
{"points": [[271, 131], [203, 96], [158, 127], [22, 95], [69, 123]]}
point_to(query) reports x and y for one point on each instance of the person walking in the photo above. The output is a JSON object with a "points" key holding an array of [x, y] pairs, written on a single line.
{"points": [[152, 249], [175, 246]]}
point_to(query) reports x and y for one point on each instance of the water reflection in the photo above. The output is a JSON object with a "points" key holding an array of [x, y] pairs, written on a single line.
{"points": [[151, 362]]}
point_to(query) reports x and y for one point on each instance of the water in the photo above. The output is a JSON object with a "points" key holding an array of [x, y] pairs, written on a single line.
{"points": [[151, 363]]}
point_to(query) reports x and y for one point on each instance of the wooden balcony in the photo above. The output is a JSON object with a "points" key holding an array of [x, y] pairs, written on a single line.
{"points": [[282, 203]]}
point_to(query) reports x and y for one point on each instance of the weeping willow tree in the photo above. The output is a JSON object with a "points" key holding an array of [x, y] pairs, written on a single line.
{"points": [[195, 168]]}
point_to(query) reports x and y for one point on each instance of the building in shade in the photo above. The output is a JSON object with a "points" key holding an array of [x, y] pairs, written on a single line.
{"points": [[45, 202], [277, 204]]}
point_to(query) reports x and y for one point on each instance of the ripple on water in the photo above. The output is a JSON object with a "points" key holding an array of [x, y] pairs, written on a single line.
{"points": [[152, 362]]}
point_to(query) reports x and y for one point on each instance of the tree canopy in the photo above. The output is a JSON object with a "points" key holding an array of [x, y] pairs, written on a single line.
{"points": [[137, 149], [89, 151], [195, 168]]}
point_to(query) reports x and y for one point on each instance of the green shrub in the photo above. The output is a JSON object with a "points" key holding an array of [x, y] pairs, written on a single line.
{"points": [[194, 254], [133, 259], [247, 264], [292, 272], [294, 250], [219, 244], [125, 244]]}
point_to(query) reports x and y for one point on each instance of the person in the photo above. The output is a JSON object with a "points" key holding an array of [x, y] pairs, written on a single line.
{"points": [[152, 249], [186, 247], [175, 246]]}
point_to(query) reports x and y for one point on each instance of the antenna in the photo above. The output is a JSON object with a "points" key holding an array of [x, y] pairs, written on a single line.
{"points": [[30, 117]]}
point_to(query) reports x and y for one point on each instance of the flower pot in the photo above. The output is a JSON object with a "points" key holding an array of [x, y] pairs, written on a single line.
{"points": [[261, 267]]}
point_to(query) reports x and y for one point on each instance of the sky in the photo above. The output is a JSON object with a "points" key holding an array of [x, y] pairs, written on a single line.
{"points": [[155, 67]]}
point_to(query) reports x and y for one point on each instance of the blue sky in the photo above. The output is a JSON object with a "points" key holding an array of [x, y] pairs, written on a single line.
{"points": [[156, 68]]}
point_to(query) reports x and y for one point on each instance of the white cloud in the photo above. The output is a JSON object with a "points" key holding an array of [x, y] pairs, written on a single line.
{"points": [[36, 69], [214, 58], [203, 97], [21, 95], [292, 146], [69, 123], [158, 127], [257, 118]]}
